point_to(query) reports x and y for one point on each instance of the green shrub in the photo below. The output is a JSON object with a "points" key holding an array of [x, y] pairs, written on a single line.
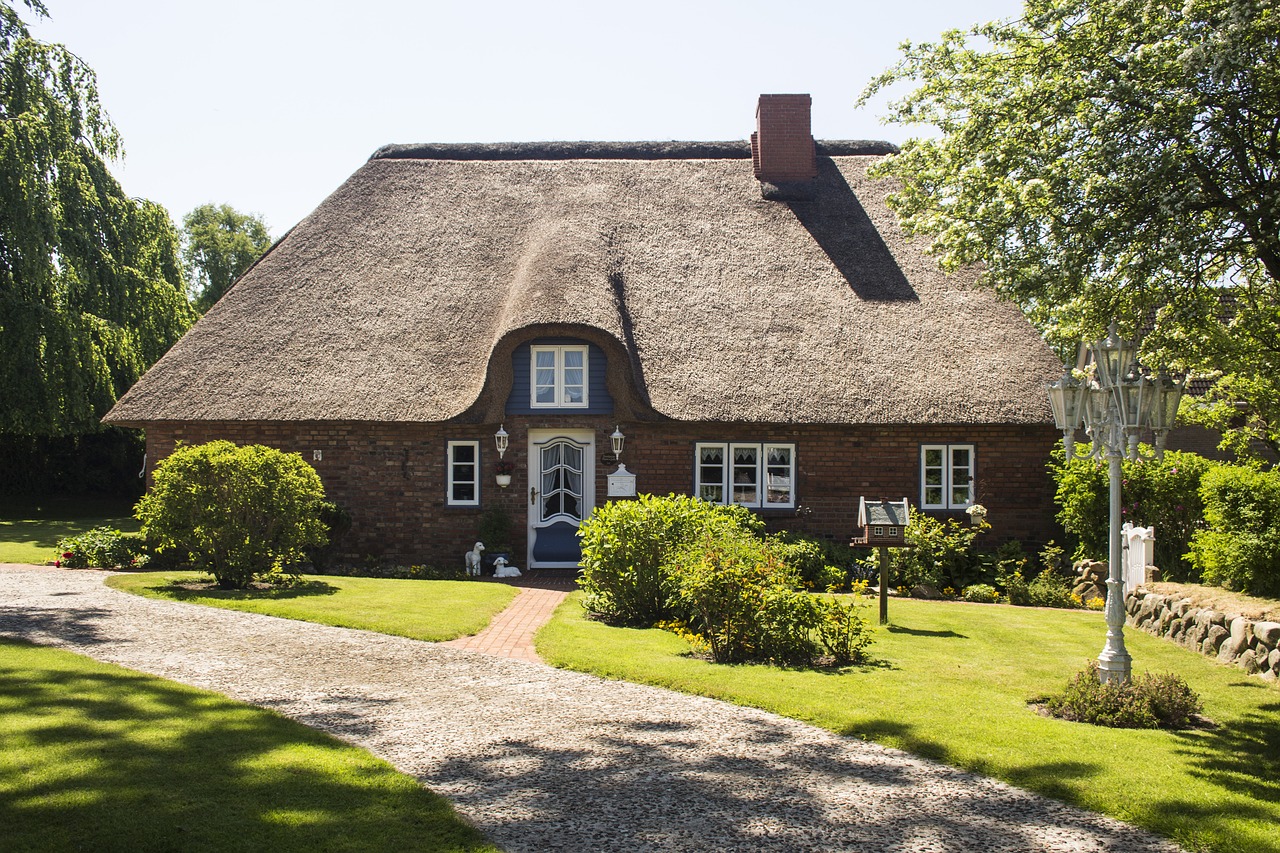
{"points": [[855, 564], [100, 548], [495, 529], [1164, 495], [625, 545], [242, 513], [982, 593], [740, 598], [809, 558], [1053, 558], [842, 631], [337, 524], [1240, 549], [1049, 589], [1143, 702], [1015, 590], [942, 554]]}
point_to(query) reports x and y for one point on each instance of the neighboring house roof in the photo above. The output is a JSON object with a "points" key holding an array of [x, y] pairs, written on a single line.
{"points": [[412, 283]]}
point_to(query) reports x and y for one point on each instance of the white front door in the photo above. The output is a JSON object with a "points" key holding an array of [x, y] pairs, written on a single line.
{"points": [[561, 494]]}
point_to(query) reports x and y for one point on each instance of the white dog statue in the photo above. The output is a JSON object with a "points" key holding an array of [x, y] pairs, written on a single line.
{"points": [[502, 570], [473, 560]]}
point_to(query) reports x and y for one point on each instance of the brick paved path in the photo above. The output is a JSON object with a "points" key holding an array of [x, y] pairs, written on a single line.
{"points": [[510, 634]]}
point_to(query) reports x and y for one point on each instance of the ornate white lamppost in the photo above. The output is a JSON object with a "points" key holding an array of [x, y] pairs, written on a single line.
{"points": [[1114, 406]]}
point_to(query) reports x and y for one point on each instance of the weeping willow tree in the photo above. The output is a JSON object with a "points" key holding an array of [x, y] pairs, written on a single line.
{"points": [[91, 285]]}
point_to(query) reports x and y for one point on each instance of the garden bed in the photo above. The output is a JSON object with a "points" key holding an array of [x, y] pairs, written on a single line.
{"points": [[1216, 598]]}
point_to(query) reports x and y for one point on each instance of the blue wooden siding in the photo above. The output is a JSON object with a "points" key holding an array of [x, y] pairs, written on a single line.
{"points": [[600, 403]]}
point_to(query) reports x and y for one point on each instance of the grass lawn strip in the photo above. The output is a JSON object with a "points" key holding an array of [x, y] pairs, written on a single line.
{"points": [[420, 610], [104, 758], [952, 681], [30, 533]]}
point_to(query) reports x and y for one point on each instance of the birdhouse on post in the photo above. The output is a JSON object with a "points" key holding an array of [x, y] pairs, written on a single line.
{"points": [[882, 523]]}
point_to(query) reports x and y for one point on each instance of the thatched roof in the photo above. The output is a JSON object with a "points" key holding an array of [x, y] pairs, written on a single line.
{"points": [[405, 292]]}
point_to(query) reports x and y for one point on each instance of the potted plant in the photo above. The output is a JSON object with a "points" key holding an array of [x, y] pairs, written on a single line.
{"points": [[505, 470]]}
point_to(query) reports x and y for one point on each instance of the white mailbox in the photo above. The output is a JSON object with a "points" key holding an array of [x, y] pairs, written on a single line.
{"points": [[622, 483]]}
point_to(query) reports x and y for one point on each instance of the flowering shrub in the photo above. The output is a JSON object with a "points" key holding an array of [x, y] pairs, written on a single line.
{"points": [[740, 599], [1143, 702], [101, 548], [842, 631]]}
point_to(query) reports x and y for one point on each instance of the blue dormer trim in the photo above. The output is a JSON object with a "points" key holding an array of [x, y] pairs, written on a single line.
{"points": [[598, 399]]}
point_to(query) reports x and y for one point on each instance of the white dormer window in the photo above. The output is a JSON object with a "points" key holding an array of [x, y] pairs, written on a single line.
{"points": [[558, 377]]}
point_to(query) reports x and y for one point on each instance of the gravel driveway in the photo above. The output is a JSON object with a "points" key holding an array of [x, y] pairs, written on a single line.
{"points": [[544, 759]]}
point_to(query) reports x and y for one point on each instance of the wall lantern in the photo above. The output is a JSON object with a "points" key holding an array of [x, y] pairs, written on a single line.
{"points": [[501, 439], [617, 439]]}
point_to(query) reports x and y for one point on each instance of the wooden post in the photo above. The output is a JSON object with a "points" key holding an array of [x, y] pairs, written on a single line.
{"points": [[884, 585]]}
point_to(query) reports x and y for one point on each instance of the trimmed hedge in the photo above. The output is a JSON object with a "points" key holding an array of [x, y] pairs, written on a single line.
{"points": [[242, 513], [1240, 548]]}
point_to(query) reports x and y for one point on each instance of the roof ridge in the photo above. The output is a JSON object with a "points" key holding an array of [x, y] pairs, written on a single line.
{"points": [[672, 150]]}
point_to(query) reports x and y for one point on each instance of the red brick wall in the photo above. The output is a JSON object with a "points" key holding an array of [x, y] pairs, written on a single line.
{"points": [[392, 476]]}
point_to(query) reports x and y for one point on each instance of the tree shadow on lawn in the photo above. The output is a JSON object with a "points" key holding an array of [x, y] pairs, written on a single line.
{"points": [[703, 788], [194, 590], [116, 760], [75, 625], [921, 632], [1229, 757], [1241, 756]]}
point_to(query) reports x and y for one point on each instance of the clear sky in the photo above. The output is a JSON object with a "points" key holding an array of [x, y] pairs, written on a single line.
{"points": [[268, 105]]}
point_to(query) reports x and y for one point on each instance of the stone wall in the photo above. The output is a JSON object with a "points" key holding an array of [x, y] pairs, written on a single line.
{"points": [[1231, 638]]}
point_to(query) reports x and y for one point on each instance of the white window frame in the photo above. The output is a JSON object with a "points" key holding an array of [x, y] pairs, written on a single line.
{"points": [[450, 482], [725, 483], [948, 476], [560, 401]]}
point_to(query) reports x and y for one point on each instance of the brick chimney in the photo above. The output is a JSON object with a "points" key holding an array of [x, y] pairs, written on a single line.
{"points": [[782, 147]]}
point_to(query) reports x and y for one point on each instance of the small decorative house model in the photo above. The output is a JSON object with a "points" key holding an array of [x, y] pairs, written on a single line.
{"points": [[882, 523]]}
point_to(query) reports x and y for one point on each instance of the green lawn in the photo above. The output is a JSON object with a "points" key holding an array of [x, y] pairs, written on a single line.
{"points": [[951, 682], [97, 757], [30, 530], [420, 610]]}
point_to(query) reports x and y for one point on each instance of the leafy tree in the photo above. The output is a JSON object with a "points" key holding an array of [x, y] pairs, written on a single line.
{"points": [[219, 244], [1112, 158], [90, 283]]}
